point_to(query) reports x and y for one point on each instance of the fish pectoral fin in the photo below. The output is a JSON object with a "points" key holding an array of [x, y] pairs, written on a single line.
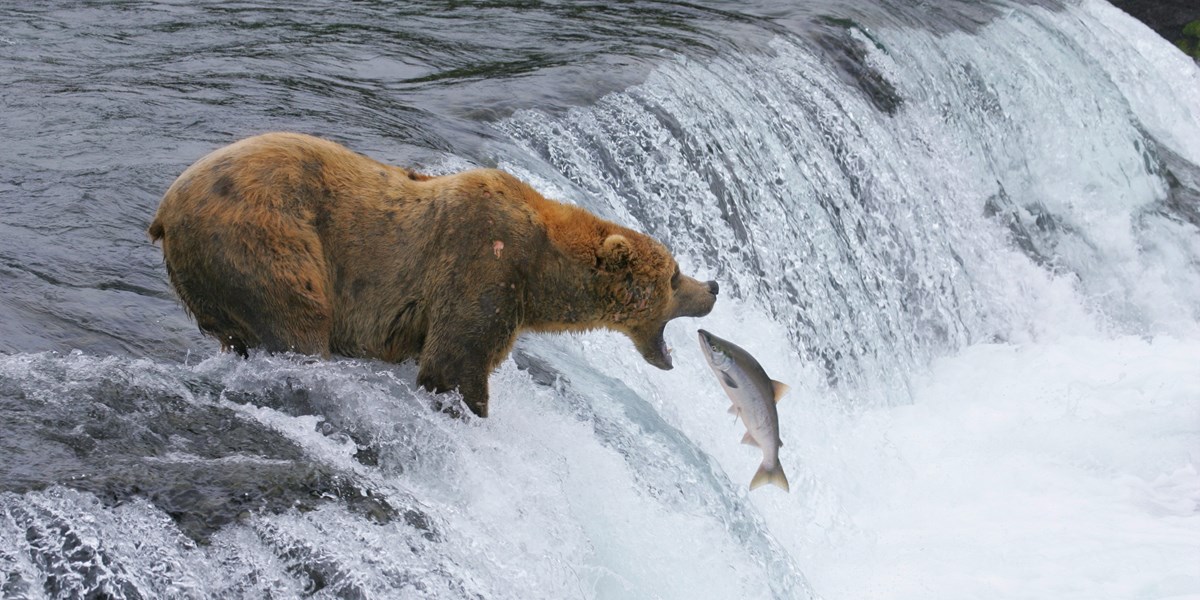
{"points": [[781, 388], [728, 380], [774, 476], [733, 410], [749, 440]]}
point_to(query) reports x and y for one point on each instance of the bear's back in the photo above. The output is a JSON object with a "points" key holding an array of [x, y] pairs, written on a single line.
{"points": [[286, 172]]}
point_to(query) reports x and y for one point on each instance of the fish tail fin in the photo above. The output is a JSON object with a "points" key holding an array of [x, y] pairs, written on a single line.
{"points": [[773, 475]]}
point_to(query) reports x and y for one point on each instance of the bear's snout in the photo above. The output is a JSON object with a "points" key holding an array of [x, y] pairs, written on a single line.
{"points": [[694, 298]]}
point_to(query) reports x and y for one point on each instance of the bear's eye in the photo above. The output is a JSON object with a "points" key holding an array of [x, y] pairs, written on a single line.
{"points": [[675, 278]]}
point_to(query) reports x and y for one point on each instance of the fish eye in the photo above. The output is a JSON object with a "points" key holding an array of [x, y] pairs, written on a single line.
{"points": [[715, 349]]}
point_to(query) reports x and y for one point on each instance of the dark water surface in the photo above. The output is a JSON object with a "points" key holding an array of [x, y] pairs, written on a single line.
{"points": [[105, 103]]}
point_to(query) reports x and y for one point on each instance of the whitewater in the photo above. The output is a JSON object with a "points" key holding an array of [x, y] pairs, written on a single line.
{"points": [[972, 257]]}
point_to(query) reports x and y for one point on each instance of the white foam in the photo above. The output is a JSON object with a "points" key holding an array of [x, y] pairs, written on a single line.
{"points": [[1059, 470]]}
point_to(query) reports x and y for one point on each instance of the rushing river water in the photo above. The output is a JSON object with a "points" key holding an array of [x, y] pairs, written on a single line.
{"points": [[966, 234]]}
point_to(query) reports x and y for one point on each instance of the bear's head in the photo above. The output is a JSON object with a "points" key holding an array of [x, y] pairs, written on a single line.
{"points": [[642, 289]]}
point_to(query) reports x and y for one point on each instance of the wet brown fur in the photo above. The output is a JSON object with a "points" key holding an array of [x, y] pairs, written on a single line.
{"points": [[288, 242]]}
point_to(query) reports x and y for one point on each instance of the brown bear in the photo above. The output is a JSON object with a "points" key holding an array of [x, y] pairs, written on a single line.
{"points": [[289, 242]]}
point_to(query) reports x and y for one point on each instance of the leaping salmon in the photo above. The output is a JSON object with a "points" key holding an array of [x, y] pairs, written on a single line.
{"points": [[754, 395]]}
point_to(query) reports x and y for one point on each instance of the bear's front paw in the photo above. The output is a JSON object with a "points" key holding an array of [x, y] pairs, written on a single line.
{"points": [[472, 387]]}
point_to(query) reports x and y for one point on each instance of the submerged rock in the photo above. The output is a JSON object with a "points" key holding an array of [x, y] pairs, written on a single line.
{"points": [[118, 434]]}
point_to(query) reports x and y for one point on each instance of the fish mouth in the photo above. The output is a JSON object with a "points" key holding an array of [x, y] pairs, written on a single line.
{"points": [[709, 345]]}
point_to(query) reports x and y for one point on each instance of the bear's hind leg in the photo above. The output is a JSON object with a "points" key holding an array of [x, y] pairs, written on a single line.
{"points": [[253, 286]]}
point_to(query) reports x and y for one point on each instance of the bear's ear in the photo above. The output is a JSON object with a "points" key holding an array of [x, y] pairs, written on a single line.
{"points": [[615, 253]]}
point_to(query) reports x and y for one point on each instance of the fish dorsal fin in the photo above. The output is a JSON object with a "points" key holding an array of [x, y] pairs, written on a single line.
{"points": [[781, 388], [749, 440], [728, 380]]}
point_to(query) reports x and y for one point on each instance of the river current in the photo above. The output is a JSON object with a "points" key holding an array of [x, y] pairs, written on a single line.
{"points": [[964, 233]]}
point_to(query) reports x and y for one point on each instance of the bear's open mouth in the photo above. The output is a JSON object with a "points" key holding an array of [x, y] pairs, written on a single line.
{"points": [[665, 353], [656, 352]]}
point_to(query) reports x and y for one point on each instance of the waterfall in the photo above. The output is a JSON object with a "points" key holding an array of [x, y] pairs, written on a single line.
{"points": [[970, 247]]}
